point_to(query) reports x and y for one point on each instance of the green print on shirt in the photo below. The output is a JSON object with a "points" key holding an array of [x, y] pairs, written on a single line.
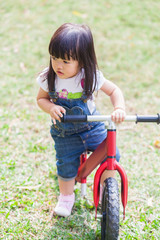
{"points": [[68, 95], [74, 95]]}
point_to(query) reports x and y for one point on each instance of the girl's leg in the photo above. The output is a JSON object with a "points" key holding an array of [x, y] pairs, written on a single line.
{"points": [[66, 187], [107, 174], [66, 198]]}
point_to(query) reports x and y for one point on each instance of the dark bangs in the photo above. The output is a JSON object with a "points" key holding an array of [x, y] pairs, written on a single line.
{"points": [[64, 45]]}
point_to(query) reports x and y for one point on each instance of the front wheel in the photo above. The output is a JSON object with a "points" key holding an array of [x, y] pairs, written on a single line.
{"points": [[110, 210]]}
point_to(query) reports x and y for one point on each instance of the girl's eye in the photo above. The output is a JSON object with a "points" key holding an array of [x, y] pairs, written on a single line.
{"points": [[66, 62], [54, 58]]}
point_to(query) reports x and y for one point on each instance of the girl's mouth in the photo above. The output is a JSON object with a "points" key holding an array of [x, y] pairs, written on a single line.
{"points": [[59, 73]]}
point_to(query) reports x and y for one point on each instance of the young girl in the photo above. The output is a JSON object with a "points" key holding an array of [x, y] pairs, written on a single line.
{"points": [[67, 87]]}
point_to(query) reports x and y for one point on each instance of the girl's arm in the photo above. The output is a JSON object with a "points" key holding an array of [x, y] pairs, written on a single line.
{"points": [[43, 101], [117, 100]]}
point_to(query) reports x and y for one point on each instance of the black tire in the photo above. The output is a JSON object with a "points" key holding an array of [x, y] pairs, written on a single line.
{"points": [[110, 210]]}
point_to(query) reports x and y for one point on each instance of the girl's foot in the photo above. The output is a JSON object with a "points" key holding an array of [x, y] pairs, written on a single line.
{"points": [[64, 205]]}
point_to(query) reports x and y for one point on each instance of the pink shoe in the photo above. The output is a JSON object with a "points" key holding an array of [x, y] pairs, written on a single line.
{"points": [[64, 205]]}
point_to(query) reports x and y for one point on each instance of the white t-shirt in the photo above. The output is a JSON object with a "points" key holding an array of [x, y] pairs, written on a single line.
{"points": [[71, 88]]}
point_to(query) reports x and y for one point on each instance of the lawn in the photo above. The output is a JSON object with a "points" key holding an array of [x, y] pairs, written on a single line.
{"points": [[127, 42]]}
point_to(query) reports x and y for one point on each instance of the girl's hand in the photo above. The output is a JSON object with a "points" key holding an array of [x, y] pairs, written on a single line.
{"points": [[118, 115], [56, 113]]}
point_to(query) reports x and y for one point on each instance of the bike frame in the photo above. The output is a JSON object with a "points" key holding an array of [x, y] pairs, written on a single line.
{"points": [[109, 152], [106, 149], [111, 164]]}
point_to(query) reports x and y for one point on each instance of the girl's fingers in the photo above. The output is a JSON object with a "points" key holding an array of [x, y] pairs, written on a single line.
{"points": [[56, 113], [118, 116], [62, 110], [54, 121]]}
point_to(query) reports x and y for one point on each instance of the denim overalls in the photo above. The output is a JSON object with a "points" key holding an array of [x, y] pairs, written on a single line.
{"points": [[72, 139]]}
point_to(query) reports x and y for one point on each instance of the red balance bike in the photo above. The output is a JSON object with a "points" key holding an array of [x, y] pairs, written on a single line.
{"points": [[107, 149]]}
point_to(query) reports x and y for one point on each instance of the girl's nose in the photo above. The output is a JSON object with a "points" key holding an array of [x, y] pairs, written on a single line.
{"points": [[59, 65]]}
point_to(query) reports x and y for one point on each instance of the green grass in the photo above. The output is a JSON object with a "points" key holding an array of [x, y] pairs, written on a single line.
{"points": [[127, 40]]}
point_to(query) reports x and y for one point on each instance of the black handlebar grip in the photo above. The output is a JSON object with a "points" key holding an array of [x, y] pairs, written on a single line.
{"points": [[149, 118], [74, 118], [158, 121]]}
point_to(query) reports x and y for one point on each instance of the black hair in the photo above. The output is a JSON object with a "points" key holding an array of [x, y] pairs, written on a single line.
{"points": [[74, 41]]}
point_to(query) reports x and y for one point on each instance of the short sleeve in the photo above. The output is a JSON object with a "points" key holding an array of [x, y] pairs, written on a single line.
{"points": [[100, 80], [42, 80]]}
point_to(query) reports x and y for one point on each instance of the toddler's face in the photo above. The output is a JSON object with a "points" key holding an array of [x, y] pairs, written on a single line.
{"points": [[65, 68]]}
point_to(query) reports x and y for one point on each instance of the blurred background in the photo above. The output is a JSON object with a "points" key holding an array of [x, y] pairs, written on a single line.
{"points": [[127, 41]]}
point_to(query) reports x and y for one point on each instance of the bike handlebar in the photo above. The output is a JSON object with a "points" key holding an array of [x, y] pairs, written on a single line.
{"points": [[101, 118]]}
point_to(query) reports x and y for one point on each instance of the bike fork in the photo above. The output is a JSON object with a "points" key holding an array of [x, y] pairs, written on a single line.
{"points": [[111, 164]]}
